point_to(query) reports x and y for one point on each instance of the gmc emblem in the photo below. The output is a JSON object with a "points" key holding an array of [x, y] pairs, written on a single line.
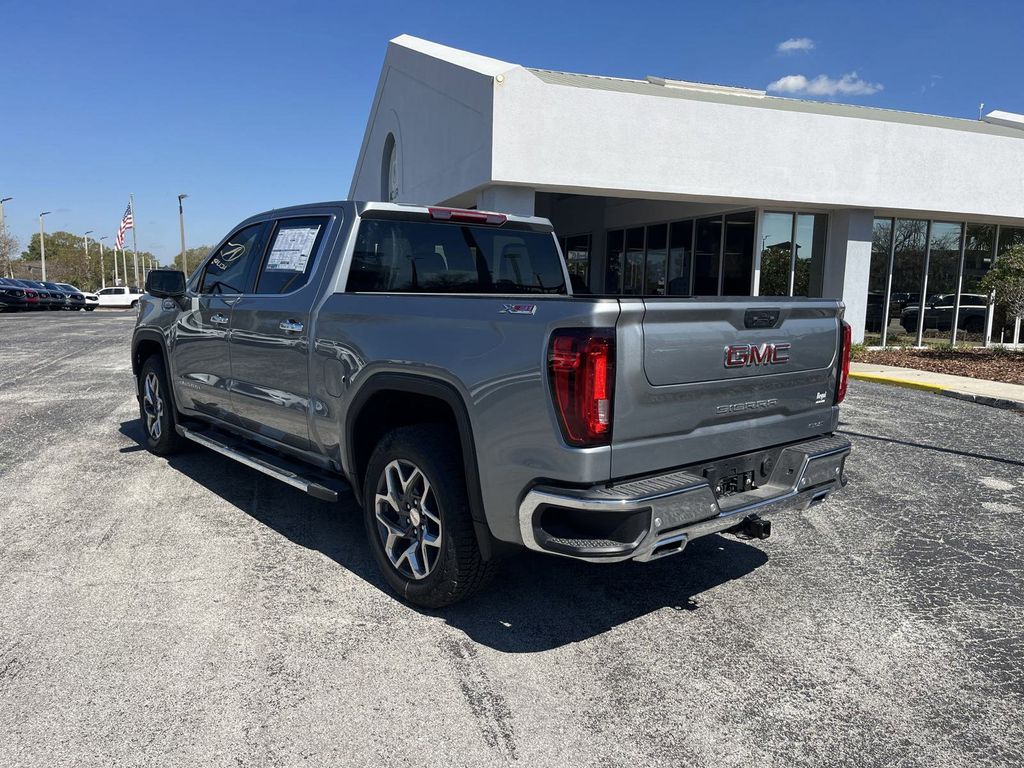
{"points": [[741, 355]]}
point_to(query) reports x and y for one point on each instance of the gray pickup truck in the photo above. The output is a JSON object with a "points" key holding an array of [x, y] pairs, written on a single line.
{"points": [[438, 363]]}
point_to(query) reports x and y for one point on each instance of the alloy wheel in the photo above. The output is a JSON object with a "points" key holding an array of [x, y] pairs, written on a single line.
{"points": [[153, 405], [408, 519]]}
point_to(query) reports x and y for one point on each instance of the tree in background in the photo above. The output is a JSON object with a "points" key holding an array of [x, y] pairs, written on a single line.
{"points": [[775, 266], [8, 245], [1006, 280], [193, 257], [66, 261]]}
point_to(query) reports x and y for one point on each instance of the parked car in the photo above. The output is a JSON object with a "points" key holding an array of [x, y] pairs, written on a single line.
{"points": [[32, 300], [74, 299], [91, 300], [13, 296], [900, 300], [48, 299], [873, 314], [119, 296], [938, 314], [438, 363]]}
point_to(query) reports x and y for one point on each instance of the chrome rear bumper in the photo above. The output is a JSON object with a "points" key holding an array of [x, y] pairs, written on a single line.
{"points": [[657, 516]]}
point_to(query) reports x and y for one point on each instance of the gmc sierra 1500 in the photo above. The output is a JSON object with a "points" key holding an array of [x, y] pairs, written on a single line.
{"points": [[439, 363]]}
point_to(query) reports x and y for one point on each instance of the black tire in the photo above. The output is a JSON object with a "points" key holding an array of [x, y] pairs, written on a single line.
{"points": [[974, 325], [89, 309], [135, 304], [156, 410], [456, 570]]}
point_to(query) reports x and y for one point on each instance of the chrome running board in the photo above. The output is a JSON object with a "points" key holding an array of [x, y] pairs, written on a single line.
{"points": [[294, 474]]}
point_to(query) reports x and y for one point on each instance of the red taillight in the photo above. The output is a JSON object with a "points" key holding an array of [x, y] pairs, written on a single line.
{"points": [[845, 342], [471, 217], [581, 364]]}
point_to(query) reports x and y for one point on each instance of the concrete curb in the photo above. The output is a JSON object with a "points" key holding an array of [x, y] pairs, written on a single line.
{"points": [[994, 402]]}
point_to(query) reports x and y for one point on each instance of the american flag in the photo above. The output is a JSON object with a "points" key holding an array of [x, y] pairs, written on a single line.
{"points": [[128, 222]]}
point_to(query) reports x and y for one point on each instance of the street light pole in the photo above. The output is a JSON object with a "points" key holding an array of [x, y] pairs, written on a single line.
{"points": [[42, 241], [88, 232], [3, 238], [181, 224], [103, 276]]}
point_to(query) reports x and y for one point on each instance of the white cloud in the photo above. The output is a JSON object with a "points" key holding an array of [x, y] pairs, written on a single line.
{"points": [[823, 85], [795, 44]]}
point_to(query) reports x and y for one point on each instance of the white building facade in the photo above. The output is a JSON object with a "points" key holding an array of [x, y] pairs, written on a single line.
{"points": [[662, 187]]}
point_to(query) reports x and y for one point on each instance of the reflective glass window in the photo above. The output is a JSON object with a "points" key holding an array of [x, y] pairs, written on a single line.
{"points": [[613, 258], [776, 254], [657, 255], [577, 258], [943, 269], [738, 257], [680, 256], [706, 253], [633, 264], [907, 274], [881, 239], [809, 265]]}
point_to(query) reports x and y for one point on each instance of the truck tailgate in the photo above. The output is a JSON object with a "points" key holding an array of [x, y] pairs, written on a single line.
{"points": [[720, 377]]}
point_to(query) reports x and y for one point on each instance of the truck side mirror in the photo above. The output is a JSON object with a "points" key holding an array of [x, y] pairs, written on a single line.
{"points": [[165, 283]]}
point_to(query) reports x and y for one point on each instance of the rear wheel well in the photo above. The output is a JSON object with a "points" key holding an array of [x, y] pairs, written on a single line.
{"points": [[403, 401], [387, 410]]}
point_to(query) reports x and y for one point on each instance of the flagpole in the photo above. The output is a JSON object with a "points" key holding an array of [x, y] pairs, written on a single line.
{"points": [[116, 278], [135, 242]]}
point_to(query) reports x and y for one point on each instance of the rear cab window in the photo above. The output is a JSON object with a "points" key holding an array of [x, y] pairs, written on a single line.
{"points": [[400, 256], [292, 254]]}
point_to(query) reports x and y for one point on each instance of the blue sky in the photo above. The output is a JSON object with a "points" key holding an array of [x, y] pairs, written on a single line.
{"points": [[249, 106]]}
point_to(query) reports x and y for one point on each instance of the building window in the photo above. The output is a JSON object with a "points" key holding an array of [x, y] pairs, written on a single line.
{"points": [[1006, 328], [979, 248], [738, 254], [389, 170], [577, 258], [656, 260], [633, 265], [613, 256], [957, 257], [941, 281], [680, 258], [793, 254], [878, 281], [706, 256], [683, 258]]}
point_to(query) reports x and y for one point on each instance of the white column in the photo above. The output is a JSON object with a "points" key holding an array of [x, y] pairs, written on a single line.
{"points": [[848, 264], [503, 199]]}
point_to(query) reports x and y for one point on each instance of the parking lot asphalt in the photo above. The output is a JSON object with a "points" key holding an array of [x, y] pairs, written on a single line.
{"points": [[194, 612]]}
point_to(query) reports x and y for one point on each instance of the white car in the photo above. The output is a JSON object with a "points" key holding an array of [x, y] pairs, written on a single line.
{"points": [[120, 296], [91, 299]]}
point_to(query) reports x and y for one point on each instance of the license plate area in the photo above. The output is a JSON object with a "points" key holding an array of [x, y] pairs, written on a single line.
{"points": [[732, 484], [739, 474]]}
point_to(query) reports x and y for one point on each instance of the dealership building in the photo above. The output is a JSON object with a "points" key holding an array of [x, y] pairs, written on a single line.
{"points": [[666, 187]]}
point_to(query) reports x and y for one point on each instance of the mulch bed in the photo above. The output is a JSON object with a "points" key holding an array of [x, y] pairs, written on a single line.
{"points": [[1001, 365]]}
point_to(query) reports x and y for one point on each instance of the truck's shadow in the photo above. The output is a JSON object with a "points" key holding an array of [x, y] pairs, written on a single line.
{"points": [[536, 603]]}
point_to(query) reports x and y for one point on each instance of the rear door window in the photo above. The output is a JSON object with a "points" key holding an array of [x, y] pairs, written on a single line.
{"points": [[394, 256], [290, 259]]}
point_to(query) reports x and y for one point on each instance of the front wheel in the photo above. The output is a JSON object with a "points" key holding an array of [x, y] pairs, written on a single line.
{"points": [[135, 305], [417, 517], [156, 409]]}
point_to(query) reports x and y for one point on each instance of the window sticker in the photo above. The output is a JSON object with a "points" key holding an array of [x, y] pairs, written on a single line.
{"points": [[292, 249]]}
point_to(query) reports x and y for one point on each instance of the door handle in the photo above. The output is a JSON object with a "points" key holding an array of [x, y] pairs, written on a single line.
{"points": [[291, 326], [219, 319]]}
